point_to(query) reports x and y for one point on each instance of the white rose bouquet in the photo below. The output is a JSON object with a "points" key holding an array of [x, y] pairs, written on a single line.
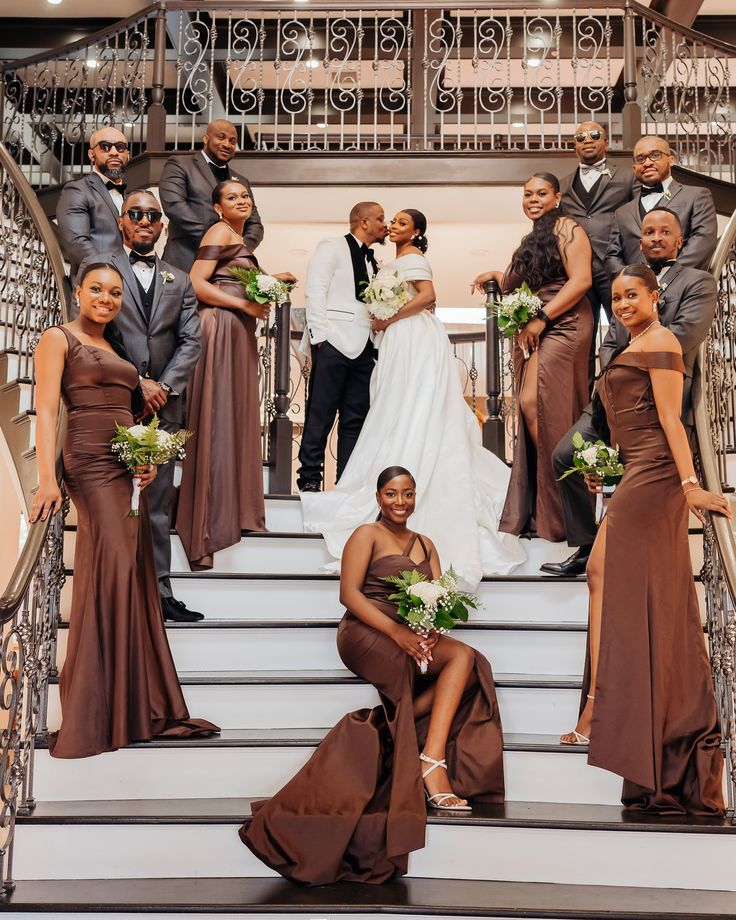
{"points": [[386, 293], [595, 458], [147, 445], [259, 287], [516, 309], [428, 606]]}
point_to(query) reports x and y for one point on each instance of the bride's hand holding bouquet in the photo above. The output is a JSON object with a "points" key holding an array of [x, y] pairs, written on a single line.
{"points": [[384, 295]]}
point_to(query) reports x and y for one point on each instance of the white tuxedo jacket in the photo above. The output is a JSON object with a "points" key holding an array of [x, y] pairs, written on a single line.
{"points": [[333, 313]]}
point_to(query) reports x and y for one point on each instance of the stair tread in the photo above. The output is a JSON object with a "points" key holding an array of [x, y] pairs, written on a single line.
{"points": [[406, 896], [309, 737], [345, 678], [499, 625], [507, 814]]}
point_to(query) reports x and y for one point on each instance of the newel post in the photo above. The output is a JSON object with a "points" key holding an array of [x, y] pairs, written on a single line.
{"points": [[494, 433], [156, 118], [631, 113], [281, 427]]}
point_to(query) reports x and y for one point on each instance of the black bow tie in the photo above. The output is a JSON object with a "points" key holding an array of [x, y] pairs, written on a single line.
{"points": [[138, 257], [658, 265], [369, 256], [651, 189], [116, 187]]}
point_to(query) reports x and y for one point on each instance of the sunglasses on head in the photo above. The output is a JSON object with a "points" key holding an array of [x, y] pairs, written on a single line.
{"points": [[594, 135], [137, 214], [653, 155], [106, 146]]}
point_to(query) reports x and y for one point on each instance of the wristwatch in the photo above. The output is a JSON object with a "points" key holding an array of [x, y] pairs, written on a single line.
{"points": [[164, 386], [545, 317], [690, 479]]}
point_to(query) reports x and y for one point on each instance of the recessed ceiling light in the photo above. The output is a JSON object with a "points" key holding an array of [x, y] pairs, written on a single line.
{"points": [[533, 62], [54, 2], [312, 63], [321, 124], [517, 124], [91, 63]]}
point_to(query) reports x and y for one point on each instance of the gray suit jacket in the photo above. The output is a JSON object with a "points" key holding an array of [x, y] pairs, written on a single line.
{"points": [[186, 195], [687, 306], [87, 219], [697, 213], [167, 346], [611, 192]]}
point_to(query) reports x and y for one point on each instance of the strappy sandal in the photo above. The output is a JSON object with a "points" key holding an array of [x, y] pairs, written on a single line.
{"points": [[579, 739], [439, 798]]}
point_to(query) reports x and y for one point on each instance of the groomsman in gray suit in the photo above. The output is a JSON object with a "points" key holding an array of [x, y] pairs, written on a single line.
{"points": [[687, 306], [694, 207], [591, 194], [159, 326], [89, 208], [186, 193]]}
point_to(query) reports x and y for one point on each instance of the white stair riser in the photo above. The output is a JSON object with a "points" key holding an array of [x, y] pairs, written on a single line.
{"points": [[320, 914], [590, 857], [307, 555], [548, 601], [524, 710], [227, 649], [185, 772]]}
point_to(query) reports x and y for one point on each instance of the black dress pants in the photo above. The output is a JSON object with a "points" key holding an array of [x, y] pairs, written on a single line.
{"points": [[337, 386], [578, 504], [600, 297]]}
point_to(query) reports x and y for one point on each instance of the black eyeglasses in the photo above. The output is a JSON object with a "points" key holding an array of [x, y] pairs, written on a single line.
{"points": [[653, 155], [594, 135], [137, 214], [106, 146]]}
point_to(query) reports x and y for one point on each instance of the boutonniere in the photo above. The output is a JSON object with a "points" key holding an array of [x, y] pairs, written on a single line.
{"points": [[667, 194], [166, 277], [606, 172], [662, 288]]}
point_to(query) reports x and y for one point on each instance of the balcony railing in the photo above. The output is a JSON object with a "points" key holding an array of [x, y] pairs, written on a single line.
{"points": [[343, 77]]}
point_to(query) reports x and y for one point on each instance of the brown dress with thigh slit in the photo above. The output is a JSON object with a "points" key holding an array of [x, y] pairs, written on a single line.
{"points": [[221, 490], [118, 683], [356, 810], [533, 500], [654, 716]]}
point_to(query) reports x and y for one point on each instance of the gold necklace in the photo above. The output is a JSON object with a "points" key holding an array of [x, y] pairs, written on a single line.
{"points": [[230, 226], [643, 332]]}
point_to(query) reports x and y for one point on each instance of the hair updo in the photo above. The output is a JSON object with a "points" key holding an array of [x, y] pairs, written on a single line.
{"points": [[420, 225], [217, 190], [642, 272]]}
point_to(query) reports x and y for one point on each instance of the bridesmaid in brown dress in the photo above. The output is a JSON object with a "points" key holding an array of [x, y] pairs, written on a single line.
{"points": [[118, 684], [550, 355], [648, 707], [356, 810], [221, 490]]}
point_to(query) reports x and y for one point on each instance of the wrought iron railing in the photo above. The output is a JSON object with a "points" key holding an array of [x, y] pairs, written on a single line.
{"points": [[341, 76], [31, 298], [713, 393]]}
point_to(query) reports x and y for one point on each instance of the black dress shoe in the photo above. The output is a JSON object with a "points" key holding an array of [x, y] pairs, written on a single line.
{"points": [[573, 565], [177, 612], [310, 487]]}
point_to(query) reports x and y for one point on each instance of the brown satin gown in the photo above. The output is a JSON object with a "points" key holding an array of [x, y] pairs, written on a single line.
{"points": [[654, 717], [533, 500], [356, 810], [118, 683], [221, 490]]}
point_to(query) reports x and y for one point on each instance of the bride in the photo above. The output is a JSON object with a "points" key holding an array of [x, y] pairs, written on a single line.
{"points": [[419, 419]]}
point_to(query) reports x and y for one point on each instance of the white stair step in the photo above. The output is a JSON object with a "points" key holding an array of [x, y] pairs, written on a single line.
{"points": [[260, 762], [266, 647], [318, 699], [561, 851]]}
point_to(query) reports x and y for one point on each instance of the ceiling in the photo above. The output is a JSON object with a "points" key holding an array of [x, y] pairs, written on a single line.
{"points": [[78, 9]]}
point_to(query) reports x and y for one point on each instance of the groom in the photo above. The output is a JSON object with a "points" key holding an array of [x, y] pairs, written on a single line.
{"points": [[338, 330]]}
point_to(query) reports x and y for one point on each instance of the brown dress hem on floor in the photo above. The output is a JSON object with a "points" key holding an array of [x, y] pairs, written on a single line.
{"points": [[118, 684], [356, 810], [654, 718]]}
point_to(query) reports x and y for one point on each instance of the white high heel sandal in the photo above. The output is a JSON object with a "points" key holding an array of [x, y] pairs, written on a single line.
{"points": [[441, 797], [579, 739]]}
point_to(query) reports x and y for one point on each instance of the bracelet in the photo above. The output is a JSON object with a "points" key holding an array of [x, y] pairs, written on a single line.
{"points": [[696, 489], [545, 317]]}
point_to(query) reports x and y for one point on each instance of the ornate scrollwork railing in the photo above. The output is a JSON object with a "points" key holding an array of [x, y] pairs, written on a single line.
{"points": [[343, 77], [31, 298], [713, 393]]}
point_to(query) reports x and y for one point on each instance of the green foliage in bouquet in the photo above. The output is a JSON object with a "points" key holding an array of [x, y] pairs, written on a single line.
{"points": [[595, 458], [260, 287], [513, 311], [141, 445], [430, 605]]}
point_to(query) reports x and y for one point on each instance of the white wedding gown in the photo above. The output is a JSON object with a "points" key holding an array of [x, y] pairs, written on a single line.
{"points": [[419, 420]]}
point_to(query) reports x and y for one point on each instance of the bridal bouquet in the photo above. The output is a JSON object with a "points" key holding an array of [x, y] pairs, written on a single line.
{"points": [[428, 606], [146, 445], [386, 293], [261, 288], [595, 459], [516, 309]]}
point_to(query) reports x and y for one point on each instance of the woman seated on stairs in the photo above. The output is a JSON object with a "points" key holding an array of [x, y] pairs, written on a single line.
{"points": [[356, 810]]}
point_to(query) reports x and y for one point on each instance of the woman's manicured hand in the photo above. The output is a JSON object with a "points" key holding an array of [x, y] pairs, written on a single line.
{"points": [[47, 500], [477, 283], [529, 336], [699, 500], [145, 475], [416, 646]]}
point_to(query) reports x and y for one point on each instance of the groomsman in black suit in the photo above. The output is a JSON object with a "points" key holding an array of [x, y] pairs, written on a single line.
{"points": [[687, 306], [591, 194], [89, 208], [653, 161], [186, 193], [159, 326]]}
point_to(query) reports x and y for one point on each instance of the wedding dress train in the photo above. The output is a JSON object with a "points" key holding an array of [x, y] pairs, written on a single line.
{"points": [[419, 419]]}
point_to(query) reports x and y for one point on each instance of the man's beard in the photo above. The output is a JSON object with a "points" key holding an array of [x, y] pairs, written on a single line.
{"points": [[143, 248], [658, 264], [113, 174], [382, 241]]}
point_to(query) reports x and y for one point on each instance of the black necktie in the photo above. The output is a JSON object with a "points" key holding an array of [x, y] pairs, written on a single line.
{"points": [[221, 173], [651, 189], [138, 257], [116, 187], [369, 256]]}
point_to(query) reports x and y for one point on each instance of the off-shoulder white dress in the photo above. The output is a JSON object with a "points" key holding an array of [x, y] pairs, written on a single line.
{"points": [[419, 419]]}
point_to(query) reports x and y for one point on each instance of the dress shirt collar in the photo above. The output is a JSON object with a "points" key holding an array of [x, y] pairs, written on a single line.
{"points": [[666, 183]]}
